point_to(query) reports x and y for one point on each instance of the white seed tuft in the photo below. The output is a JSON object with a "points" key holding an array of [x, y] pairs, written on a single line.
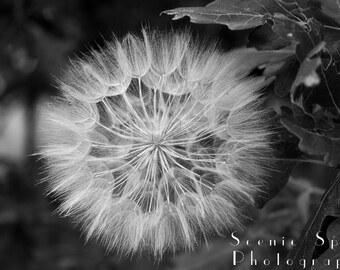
{"points": [[156, 142]]}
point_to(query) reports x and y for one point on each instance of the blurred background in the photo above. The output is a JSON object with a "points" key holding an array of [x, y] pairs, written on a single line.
{"points": [[37, 38]]}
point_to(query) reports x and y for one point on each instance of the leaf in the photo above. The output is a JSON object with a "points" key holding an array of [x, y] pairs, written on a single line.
{"points": [[333, 252], [322, 119], [236, 14], [265, 38], [314, 28], [309, 36], [307, 71], [251, 58], [331, 8], [321, 103], [327, 211], [332, 39], [298, 116], [305, 36], [315, 144], [286, 77]]}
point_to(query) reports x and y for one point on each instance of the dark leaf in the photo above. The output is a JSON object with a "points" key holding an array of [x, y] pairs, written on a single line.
{"points": [[332, 39], [321, 222], [298, 116], [307, 72], [314, 143], [319, 120], [331, 8], [251, 58], [289, 29], [236, 14], [335, 132], [286, 77], [333, 252], [322, 118], [282, 29], [310, 39], [319, 15], [265, 38], [321, 28], [304, 34], [325, 94]]}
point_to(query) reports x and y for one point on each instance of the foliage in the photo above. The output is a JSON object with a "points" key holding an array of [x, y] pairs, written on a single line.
{"points": [[309, 79], [322, 222]]}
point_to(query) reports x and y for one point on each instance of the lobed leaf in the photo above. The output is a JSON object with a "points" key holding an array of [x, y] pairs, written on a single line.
{"points": [[332, 252], [321, 223], [315, 144], [307, 71], [236, 14], [331, 8]]}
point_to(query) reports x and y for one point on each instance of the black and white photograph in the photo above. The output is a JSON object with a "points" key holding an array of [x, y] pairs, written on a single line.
{"points": [[169, 135]]}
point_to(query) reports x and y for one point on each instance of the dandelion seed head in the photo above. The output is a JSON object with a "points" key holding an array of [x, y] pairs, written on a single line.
{"points": [[156, 142]]}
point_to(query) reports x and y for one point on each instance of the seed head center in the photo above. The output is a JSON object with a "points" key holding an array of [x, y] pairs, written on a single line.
{"points": [[157, 141]]}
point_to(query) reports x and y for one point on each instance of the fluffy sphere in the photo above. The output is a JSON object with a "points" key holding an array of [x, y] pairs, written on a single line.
{"points": [[156, 142]]}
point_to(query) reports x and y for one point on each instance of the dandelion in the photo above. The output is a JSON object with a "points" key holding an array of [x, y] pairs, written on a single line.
{"points": [[157, 142]]}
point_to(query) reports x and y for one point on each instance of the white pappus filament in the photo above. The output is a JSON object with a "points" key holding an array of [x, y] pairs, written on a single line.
{"points": [[156, 142]]}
